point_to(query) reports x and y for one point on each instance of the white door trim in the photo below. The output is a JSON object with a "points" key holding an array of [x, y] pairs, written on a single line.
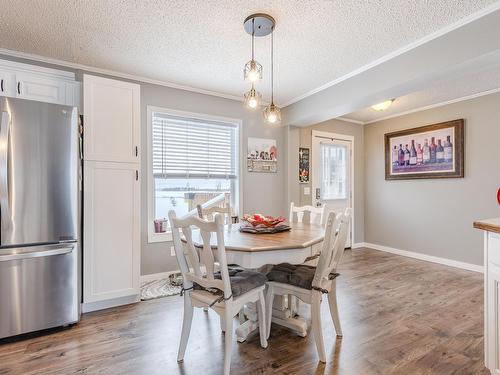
{"points": [[340, 137]]}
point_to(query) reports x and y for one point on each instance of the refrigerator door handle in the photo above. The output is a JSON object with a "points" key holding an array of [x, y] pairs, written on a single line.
{"points": [[4, 169], [49, 250]]}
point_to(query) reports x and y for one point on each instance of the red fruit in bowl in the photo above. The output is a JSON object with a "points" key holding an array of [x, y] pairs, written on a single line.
{"points": [[258, 217]]}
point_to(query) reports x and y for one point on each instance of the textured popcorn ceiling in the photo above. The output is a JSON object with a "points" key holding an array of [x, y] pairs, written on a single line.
{"points": [[202, 44]]}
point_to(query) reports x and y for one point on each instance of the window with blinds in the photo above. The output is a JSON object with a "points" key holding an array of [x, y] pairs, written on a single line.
{"points": [[193, 148], [194, 160]]}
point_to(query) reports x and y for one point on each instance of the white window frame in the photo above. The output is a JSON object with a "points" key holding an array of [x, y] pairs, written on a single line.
{"points": [[167, 236]]}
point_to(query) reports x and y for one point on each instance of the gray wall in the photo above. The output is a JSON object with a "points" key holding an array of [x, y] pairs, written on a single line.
{"points": [[262, 192], [301, 137], [435, 217]]}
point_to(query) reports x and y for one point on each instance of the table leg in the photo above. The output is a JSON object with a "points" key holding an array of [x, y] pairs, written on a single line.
{"points": [[282, 315]]}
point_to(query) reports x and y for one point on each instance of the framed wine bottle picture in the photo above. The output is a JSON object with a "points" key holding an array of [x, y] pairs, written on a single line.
{"points": [[431, 151]]}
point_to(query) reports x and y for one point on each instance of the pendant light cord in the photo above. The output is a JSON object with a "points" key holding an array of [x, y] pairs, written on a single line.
{"points": [[272, 67], [253, 34]]}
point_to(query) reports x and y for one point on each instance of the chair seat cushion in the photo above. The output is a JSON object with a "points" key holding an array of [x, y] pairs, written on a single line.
{"points": [[242, 280], [300, 275]]}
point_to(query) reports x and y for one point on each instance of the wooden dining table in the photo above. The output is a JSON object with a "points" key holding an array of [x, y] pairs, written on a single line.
{"points": [[254, 251]]}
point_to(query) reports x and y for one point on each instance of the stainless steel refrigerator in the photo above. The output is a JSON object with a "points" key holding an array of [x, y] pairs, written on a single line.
{"points": [[39, 216]]}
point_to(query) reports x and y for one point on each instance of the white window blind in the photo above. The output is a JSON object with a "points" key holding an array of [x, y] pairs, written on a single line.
{"points": [[193, 148]]}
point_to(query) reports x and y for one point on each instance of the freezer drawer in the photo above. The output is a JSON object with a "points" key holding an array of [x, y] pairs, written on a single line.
{"points": [[39, 288]]}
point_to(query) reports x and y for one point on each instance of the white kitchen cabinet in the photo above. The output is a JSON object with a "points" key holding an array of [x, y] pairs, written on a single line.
{"points": [[5, 83], [42, 84], [112, 119], [34, 87], [111, 228], [491, 293], [111, 208], [492, 337]]}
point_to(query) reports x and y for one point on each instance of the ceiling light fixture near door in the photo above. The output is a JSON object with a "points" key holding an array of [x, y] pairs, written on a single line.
{"points": [[383, 106], [259, 25]]}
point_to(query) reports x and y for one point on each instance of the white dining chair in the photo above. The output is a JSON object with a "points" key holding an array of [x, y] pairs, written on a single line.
{"points": [[309, 214], [200, 281], [209, 213], [322, 279], [314, 214]]}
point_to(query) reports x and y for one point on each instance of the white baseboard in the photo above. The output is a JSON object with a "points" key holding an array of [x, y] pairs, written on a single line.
{"points": [[357, 245], [101, 305], [425, 257], [156, 276]]}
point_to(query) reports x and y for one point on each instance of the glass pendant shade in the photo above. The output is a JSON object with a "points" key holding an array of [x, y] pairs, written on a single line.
{"points": [[252, 98], [252, 71], [272, 114]]}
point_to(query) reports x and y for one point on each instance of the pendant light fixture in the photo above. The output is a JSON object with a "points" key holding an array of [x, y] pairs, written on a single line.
{"points": [[272, 113], [252, 98], [260, 24], [253, 70]]}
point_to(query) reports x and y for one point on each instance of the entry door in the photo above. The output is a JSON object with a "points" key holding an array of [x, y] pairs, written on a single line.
{"points": [[332, 171]]}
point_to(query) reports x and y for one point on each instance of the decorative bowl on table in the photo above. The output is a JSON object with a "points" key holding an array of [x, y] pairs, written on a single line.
{"points": [[258, 223]]}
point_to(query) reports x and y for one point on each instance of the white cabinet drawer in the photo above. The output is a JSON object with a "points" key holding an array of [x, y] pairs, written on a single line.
{"points": [[33, 87]]}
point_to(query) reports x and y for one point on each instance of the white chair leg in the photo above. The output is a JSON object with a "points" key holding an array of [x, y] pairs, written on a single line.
{"points": [[186, 326], [261, 311], [222, 323], [334, 312], [228, 339], [316, 325], [269, 308]]}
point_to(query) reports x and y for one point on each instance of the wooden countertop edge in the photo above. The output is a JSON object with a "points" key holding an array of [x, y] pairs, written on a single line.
{"points": [[487, 225]]}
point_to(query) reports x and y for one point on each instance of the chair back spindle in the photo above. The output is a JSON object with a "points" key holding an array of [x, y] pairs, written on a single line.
{"points": [[209, 213]]}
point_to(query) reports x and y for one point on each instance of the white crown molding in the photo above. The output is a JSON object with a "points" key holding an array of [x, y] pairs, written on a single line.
{"points": [[427, 258], [441, 104], [462, 22], [346, 119], [92, 69]]}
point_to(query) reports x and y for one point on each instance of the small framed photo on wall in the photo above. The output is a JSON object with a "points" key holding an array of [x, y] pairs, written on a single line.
{"points": [[431, 151], [304, 165]]}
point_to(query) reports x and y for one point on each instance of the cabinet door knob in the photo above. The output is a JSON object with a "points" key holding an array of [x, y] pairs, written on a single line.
{"points": [[136, 175], [1, 85], [136, 151], [19, 87]]}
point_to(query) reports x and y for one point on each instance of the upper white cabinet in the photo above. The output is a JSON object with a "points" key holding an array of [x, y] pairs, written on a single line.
{"points": [[111, 120], [32, 82], [4, 83], [33, 87]]}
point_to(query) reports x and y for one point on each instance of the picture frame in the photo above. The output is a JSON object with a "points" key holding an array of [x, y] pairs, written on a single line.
{"points": [[262, 155], [304, 165], [425, 152]]}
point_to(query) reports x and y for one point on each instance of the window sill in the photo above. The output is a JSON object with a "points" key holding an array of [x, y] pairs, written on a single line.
{"points": [[159, 237]]}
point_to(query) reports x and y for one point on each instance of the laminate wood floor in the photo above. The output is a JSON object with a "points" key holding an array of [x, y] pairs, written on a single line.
{"points": [[399, 316]]}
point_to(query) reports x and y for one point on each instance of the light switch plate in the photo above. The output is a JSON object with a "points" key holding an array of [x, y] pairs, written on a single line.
{"points": [[172, 251], [307, 190]]}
